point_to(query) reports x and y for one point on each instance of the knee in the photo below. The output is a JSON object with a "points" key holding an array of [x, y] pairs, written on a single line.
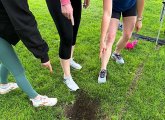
{"points": [[66, 40], [110, 39]]}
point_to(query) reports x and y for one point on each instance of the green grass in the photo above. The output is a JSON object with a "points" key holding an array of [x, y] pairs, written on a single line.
{"points": [[147, 100]]}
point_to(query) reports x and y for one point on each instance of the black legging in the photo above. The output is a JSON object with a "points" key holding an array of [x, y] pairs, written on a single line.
{"points": [[67, 32]]}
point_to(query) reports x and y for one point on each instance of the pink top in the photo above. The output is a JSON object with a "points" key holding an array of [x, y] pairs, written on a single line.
{"points": [[64, 2]]}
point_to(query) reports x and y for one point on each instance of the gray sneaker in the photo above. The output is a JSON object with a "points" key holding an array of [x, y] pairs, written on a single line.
{"points": [[71, 84], [117, 58], [102, 76], [75, 65]]}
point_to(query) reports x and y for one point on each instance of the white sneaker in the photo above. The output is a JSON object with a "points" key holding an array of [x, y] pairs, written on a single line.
{"points": [[118, 58], [71, 84], [75, 65], [43, 101], [8, 87], [102, 76]]}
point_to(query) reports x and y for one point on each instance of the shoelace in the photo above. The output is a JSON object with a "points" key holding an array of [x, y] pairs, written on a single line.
{"points": [[102, 73], [118, 56], [42, 98]]}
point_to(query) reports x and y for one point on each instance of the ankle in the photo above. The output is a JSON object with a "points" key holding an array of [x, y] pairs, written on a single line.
{"points": [[103, 68], [67, 77], [37, 97], [116, 52]]}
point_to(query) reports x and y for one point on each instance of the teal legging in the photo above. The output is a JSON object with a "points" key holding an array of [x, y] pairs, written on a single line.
{"points": [[11, 63]]}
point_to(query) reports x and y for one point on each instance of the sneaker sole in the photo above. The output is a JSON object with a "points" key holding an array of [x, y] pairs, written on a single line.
{"points": [[76, 68], [99, 81], [73, 90]]}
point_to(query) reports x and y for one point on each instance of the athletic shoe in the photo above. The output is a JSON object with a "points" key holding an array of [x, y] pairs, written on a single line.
{"points": [[75, 65], [43, 101], [71, 84], [102, 76], [117, 58], [120, 26], [8, 87]]}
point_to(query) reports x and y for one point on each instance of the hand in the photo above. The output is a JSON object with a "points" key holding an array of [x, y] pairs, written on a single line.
{"points": [[48, 65], [67, 11], [138, 26], [86, 3], [102, 48]]}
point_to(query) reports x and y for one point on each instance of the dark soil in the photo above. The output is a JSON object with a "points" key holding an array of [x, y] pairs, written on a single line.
{"points": [[84, 108]]}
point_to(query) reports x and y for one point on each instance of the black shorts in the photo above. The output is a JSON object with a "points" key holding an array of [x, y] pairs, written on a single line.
{"points": [[130, 12]]}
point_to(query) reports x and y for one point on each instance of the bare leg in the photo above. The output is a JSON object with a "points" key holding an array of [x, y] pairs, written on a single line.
{"points": [[128, 27], [66, 67], [109, 42]]}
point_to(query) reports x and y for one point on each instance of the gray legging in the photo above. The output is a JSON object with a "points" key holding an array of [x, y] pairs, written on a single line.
{"points": [[11, 63]]}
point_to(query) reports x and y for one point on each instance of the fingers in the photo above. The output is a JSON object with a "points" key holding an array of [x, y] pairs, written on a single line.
{"points": [[50, 68], [137, 29], [72, 20], [67, 11], [67, 15], [86, 3], [48, 65]]}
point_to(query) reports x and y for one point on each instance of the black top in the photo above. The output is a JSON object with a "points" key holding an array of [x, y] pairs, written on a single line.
{"points": [[17, 22]]}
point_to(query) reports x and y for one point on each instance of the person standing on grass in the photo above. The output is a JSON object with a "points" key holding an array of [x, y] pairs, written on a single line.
{"points": [[131, 11], [67, 15], [17, 22]]}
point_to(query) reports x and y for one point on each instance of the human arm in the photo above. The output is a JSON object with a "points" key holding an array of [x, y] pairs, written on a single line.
{"points": [[25, 26], [67, 10], [107, 10], [140, 8]]}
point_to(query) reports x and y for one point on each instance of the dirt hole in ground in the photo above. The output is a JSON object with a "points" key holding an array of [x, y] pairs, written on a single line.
{"points": [[85, 107]]}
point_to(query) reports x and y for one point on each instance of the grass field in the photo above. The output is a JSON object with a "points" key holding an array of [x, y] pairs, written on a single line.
{"points": [[134, 91]]}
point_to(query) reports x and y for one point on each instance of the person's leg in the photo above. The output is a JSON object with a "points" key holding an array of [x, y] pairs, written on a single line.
{"points": [[77, 8], [65, 30], [5, 87], [10, 60], [3, 74], [128, 27], [111, 35], [129, 20]]}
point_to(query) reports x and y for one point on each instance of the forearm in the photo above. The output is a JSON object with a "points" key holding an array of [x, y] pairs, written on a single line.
{"points": [[140, 8], [107, 10], [104, 27], [34, 43]]}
